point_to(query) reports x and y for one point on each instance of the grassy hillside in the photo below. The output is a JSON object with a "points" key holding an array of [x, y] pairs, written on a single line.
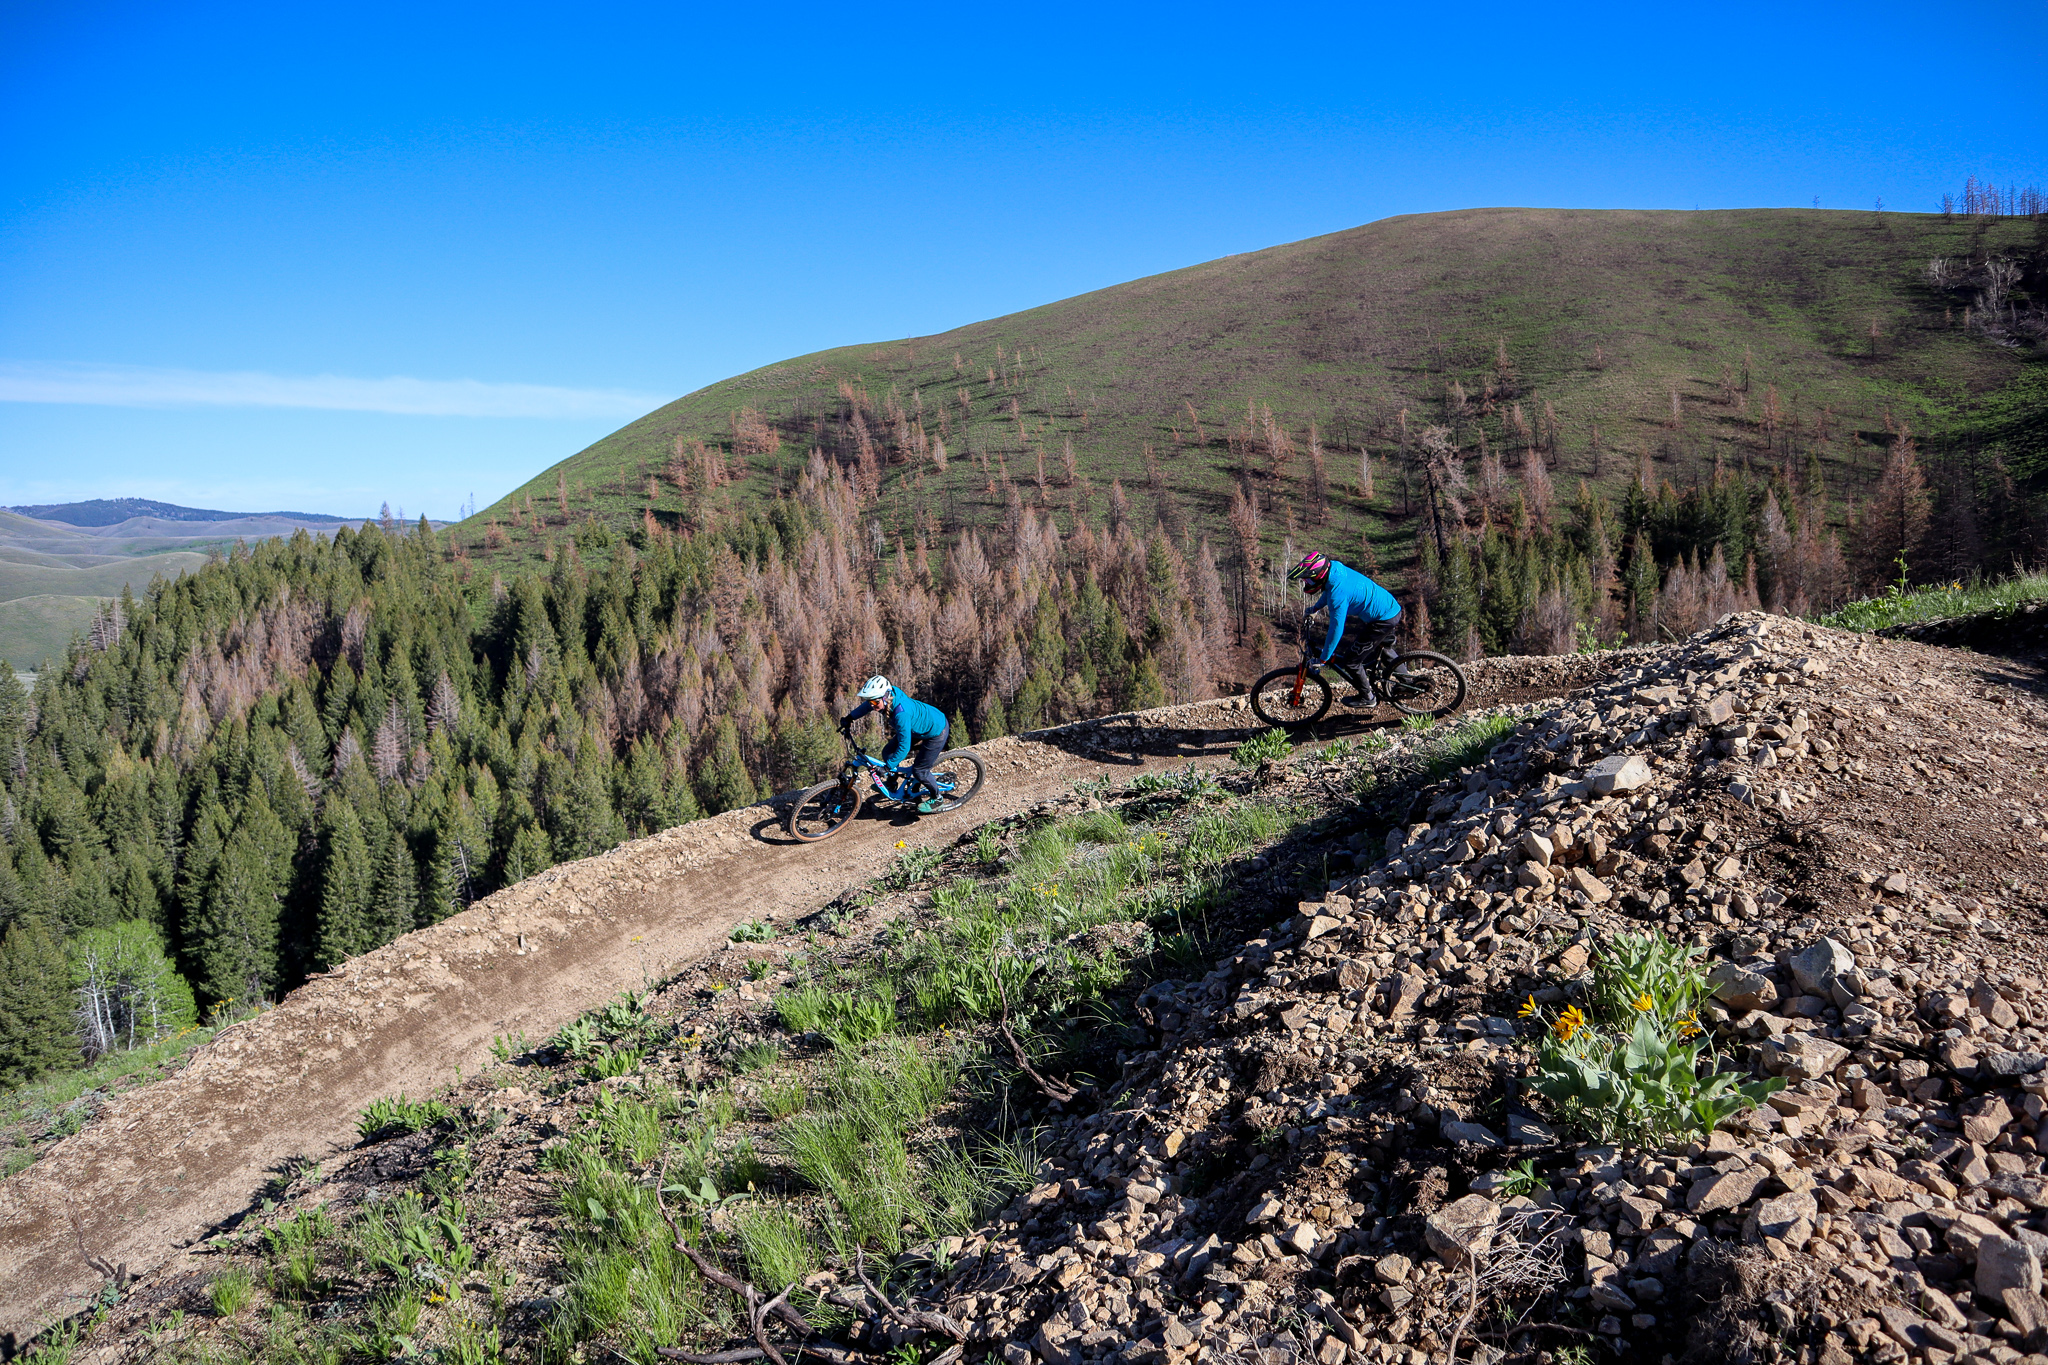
{"points": [[54, 574], [1776, 335]]}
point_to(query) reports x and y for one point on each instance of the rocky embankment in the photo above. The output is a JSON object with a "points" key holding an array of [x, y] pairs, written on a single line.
{"points": [[1325, 1154]]}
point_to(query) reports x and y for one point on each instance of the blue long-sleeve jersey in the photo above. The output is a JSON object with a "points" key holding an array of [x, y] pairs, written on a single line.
{"points": [[910, 721], [1348, 594]]}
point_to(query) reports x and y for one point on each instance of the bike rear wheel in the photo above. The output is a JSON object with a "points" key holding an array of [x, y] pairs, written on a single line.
{"points": [[960, 773], [1274, 702], [821, 812], [1425, 683]]}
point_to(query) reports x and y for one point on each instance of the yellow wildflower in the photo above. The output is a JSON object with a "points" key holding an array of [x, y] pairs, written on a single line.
{"points": [[1569, 1023], [1528, 1007], [1644, 1002], [901, 843]]}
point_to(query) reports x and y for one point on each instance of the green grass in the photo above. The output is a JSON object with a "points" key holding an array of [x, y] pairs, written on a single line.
{"points": [[1934, 603]]}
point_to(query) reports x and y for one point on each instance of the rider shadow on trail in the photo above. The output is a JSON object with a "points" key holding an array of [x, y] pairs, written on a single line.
{"points": [[769, 828]]}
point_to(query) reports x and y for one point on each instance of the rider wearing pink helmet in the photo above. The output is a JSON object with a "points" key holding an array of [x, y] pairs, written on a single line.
{"points": [[1351, 599]]}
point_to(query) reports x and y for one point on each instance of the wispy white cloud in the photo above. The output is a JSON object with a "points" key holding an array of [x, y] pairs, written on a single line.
{"points": [[131, 386]]}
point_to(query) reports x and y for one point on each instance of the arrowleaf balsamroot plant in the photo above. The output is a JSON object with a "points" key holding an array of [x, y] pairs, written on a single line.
{"points": [[1639, 1067]]}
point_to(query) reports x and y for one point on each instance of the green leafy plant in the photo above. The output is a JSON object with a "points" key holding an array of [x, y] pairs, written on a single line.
{"points": [[576, 1039], [1268, 747], [988, 847], [912, 866], [1639, 1068], [397, 1116], [752, 931], [1522, 1179], [1185, 782], [617, 1062]]}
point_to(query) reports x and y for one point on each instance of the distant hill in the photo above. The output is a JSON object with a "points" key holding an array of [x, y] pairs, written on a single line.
{"points": [[1755, 339], [60, 564], [113, 511]]}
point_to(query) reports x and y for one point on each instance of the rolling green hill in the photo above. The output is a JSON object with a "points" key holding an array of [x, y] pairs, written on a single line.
{"points": [[55, 574], [1775, 335]]}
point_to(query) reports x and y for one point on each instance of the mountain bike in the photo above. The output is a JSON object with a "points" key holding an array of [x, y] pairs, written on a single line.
{"points": [[827, 808], [1418, 683]]}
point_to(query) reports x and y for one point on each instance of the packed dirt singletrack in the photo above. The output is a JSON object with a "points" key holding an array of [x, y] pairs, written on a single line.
{"points": [[164, 1165]]}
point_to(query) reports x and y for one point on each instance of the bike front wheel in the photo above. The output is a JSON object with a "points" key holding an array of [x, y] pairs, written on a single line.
{"points": [[1425, 683], [821, 812], [960, 773], [1276, 700]]}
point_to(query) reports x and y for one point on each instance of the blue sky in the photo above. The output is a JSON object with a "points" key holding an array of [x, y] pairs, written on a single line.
{"points": [[320, 257]]}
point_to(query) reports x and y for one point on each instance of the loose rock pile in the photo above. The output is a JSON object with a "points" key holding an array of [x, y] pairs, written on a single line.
{"points": [[1317, 1157]]}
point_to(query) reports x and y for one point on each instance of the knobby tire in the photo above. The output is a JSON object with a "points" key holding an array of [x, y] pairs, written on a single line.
{"points": [[821, 812], [1445, 690], [968, 772], [1271, 694]]}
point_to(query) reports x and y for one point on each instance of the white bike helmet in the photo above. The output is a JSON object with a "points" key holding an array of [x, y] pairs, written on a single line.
{"points": [[875, 687]]}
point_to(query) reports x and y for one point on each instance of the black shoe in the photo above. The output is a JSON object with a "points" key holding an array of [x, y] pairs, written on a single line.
{"points": [[1361, 701]]}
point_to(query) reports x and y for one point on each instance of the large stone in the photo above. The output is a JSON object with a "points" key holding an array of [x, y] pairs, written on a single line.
{"points": [[1455, 1130], [1716, 711], [1537, 849], [1533, 875], [1402, 993], [2006, 1263], [1803, 1057], [1658, 1254], [1588, 885], [1728, 1191], [2027, 1310], [1789, 1218], [1984, 1118], [1461, 1229], [1985, 999], [1964, 1231], [1815, 966], [1621, 773], [2030, 1190], [1740, 988]]}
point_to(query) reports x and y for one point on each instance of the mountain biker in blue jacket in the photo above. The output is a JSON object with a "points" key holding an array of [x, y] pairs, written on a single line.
{"points": [[912, 723], [1351, 599]]}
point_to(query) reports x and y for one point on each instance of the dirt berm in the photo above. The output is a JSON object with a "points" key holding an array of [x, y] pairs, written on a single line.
{"points": [[164, 1164]]}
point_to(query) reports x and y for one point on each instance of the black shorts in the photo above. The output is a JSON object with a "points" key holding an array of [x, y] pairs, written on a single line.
{"points": [[1363, 637]]}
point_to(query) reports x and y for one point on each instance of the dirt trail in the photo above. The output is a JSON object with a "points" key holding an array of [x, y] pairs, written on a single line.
{"points": [[164, 1164]]}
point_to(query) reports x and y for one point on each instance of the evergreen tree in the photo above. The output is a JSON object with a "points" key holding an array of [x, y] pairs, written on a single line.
{"points": [[235, 937], [528, 854], [726, 784], [395, 890], [345, 887], [36, 1030]]}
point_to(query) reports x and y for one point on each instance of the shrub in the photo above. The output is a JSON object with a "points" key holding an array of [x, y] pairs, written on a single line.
{"points": [[752, 931], [1639, 1068]]}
